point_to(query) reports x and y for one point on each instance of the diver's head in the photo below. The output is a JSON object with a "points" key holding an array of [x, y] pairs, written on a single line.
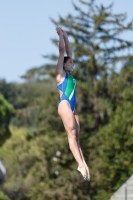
{"points": [[68, 64]]}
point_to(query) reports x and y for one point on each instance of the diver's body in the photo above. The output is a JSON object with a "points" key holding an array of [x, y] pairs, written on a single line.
{"points": [[66, 85]]}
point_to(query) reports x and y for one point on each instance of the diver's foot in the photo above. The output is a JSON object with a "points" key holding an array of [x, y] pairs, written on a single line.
{"points": [[88, 172], [84, 173]]}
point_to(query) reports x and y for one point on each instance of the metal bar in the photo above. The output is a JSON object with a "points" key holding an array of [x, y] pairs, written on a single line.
{"points": [[125, 191]]}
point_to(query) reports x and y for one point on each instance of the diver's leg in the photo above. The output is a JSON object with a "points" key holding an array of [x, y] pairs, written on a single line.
{"points": [[81, 153], [69, 122]]}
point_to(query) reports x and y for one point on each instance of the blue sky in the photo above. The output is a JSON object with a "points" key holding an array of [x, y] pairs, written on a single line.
{"points": [[25, 32]]}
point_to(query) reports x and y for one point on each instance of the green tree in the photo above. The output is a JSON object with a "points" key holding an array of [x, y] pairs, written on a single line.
{"points": [[3, 196], [6, 111], [36, 171], [11, 92], [115, 140]]}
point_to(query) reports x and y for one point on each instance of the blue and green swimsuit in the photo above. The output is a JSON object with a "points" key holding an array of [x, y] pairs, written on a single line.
{"points": [[68, 89]]}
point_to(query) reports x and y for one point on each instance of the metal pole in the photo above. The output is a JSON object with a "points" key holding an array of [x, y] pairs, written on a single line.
{"points": [[125, 191]]}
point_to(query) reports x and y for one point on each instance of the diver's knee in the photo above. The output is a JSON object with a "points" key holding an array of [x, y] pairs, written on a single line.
{"points": [[72, 133]]}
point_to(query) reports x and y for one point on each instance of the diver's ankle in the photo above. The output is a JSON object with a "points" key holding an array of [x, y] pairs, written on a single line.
{"points": [[81, 165]]}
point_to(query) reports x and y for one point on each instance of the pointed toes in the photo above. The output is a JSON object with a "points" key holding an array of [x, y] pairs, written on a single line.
{"points": [[86, 178]]}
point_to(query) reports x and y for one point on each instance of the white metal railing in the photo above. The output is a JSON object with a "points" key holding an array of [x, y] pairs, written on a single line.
{"points": [[125, 192]]}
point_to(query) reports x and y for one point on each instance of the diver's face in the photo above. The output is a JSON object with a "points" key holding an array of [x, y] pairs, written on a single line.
{"points": [[69, 65]]}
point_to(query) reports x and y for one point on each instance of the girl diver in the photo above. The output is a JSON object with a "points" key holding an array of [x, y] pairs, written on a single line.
{"points": [[66, 85]]}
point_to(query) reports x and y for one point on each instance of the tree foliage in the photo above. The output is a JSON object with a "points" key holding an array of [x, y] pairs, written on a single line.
{"points": [[6, 111], [3, 196]]}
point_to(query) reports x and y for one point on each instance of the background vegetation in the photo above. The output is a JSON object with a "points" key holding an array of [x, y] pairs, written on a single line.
{"points": [[34, 146]]}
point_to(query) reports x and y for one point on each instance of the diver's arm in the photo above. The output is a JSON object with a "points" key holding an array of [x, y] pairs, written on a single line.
{"points": [[59, 67], [67, 44]]}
